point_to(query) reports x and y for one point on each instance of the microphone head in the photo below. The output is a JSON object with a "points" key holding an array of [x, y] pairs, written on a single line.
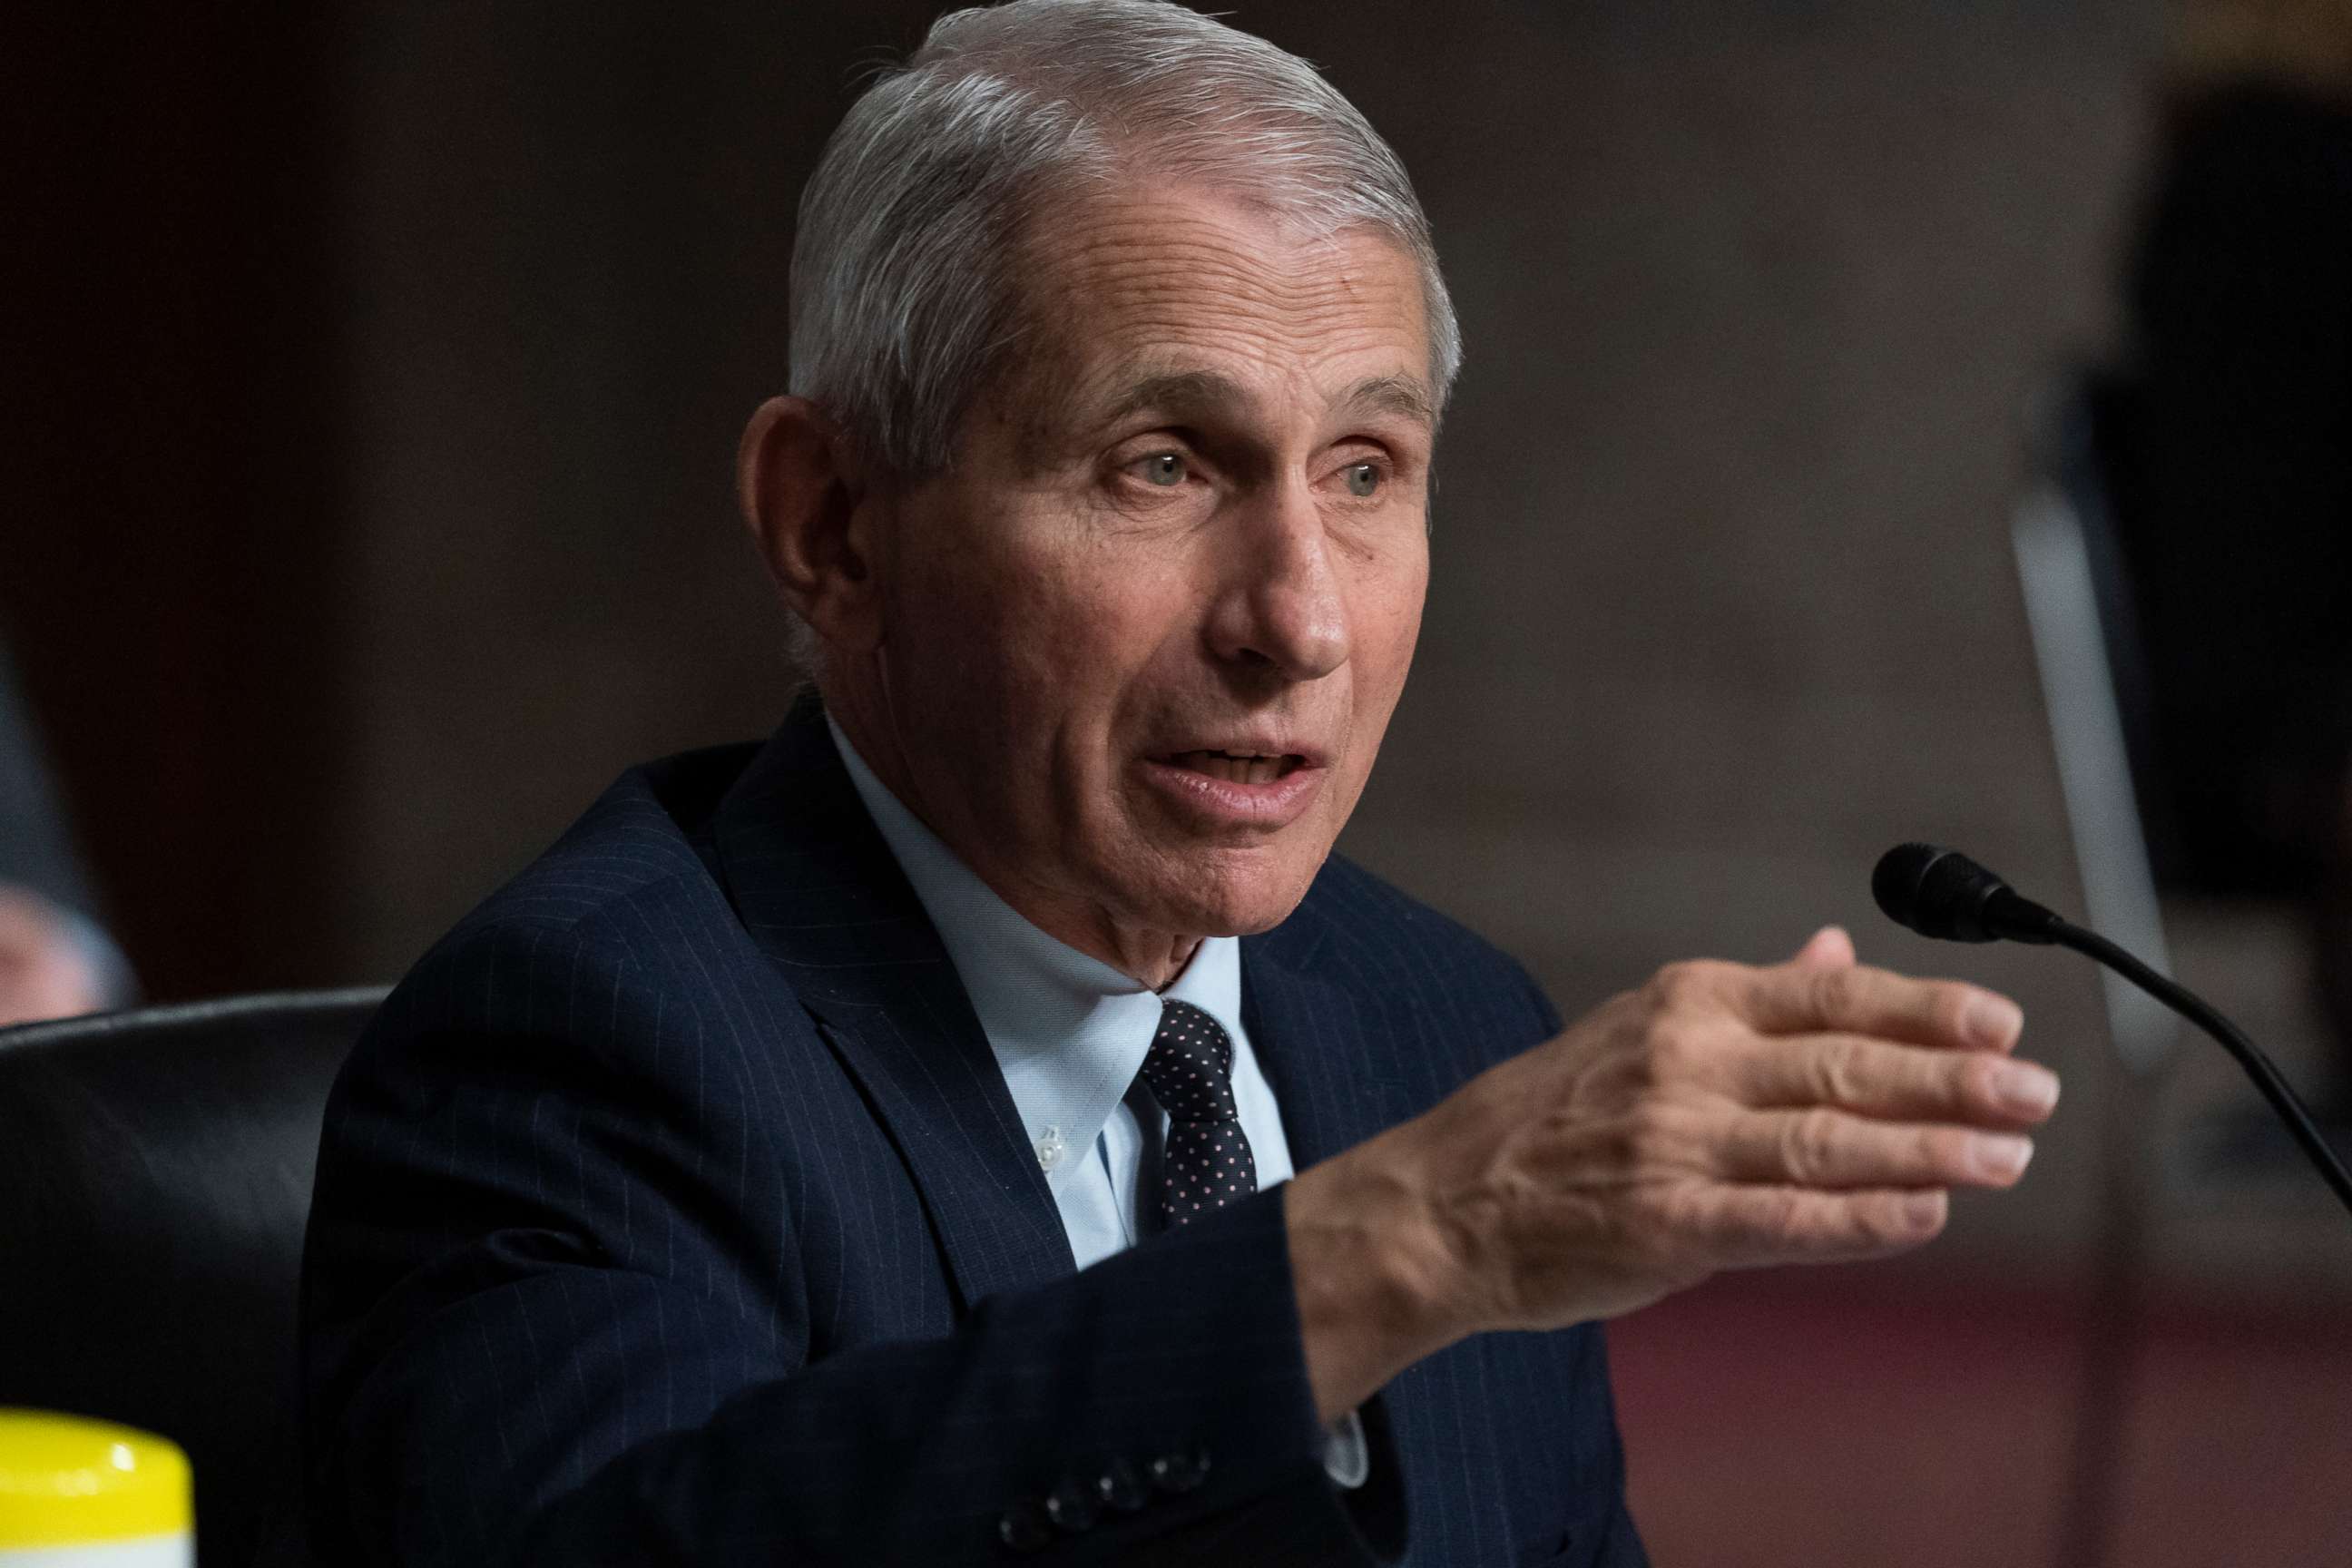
{"points": [[1937, 892]]}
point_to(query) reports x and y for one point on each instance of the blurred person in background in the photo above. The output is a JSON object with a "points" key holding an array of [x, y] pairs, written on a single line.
{"points": [[2227, 452], [55, 961]]}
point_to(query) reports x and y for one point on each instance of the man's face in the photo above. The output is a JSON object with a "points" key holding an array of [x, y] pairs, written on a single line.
{"points": [[1140, 643]]}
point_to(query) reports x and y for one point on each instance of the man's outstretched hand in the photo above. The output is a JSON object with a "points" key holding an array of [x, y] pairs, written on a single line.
{"points": [[1721, 1116]]}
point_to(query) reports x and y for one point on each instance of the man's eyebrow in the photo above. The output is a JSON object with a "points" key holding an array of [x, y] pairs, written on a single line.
{"points": [[1185, 393], [1404, 395], [1179, 393]]}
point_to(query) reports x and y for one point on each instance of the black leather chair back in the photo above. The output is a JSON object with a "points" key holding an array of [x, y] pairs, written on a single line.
{"points": [[156, 1171]]}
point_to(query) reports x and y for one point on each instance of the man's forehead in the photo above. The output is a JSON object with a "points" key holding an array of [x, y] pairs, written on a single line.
{"points": [[1153, 282]]}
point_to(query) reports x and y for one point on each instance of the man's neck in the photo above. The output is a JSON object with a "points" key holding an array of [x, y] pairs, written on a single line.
{"points": [[1152, 958]]}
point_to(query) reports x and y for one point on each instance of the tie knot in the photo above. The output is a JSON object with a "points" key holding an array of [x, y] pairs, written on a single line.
{"points": [[1189, 1064]]}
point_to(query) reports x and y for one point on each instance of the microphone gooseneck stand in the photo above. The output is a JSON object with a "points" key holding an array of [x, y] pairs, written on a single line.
{"points": [[1942, 893], [2249, 1056]]}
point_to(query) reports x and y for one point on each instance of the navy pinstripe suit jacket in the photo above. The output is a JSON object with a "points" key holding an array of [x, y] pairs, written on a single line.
{"points": [[673, 1210]]}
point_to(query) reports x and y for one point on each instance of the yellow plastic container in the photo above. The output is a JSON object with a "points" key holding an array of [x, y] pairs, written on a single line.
{"points": [[78, 1493]]}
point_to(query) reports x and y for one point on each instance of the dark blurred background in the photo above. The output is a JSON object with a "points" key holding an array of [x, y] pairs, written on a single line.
{"points": [[374, 373]]}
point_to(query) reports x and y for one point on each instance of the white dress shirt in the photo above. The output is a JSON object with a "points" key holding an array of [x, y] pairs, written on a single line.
{"points": [[1070, 1033]]}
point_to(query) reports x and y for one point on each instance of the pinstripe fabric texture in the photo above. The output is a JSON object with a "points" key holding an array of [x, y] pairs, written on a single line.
{"points": [[673, 1210]]}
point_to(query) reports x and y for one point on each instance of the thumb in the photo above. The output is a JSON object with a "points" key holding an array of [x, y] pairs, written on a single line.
{"points": [[1829, 948]]}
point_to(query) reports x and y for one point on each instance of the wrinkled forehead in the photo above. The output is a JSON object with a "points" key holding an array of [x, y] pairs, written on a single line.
{"points": [[1166, 292]]}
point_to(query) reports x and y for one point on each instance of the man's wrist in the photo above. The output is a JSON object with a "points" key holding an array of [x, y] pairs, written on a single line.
{"points": [[1375, 1288]]}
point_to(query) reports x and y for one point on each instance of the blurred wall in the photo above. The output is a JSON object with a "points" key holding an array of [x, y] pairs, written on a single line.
{"points": [[169, 459]]}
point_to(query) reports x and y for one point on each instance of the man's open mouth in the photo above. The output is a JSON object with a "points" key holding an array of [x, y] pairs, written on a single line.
{"points": [[1239, 767]]}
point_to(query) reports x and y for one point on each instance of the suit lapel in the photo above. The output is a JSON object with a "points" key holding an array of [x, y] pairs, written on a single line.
{"points": [[816, 886], [1326, 1066]]}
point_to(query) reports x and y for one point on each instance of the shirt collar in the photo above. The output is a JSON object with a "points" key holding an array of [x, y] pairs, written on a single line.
{"points": [[1070, 1032]]}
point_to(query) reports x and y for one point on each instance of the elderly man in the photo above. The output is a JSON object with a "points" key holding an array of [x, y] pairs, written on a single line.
{"points": [[986, 1119]]}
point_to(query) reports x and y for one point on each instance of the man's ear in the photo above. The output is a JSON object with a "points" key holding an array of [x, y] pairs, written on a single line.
{"points": [[802, 493]]}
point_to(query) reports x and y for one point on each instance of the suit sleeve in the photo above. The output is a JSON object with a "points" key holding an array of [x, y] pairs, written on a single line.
{"points": [[1616, 1542], [1613, 1540], [534, 1333]]}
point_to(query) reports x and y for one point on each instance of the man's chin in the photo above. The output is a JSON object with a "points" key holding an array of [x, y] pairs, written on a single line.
{"points": [[1240, 896]]}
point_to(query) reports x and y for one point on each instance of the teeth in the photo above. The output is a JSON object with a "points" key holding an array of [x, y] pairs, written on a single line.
{"points": [[1234, 769]]}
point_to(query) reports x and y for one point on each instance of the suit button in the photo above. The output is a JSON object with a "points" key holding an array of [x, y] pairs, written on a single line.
{"points": [[1024, 1528], [1180, 1472], [1072, 1506], [1120, 1487]]}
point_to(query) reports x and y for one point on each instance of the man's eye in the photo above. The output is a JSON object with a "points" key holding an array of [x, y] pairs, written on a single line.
{"points": [[1164, 468], [1363, 479]]}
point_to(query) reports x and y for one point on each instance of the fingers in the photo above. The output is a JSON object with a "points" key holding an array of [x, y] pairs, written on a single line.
{"points": [[1795, 998], [1746, 1227], [1894, 1082], [1834, 1150], [1829, 948]]}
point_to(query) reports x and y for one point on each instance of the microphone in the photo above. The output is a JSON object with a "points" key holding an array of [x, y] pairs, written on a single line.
{"points": [[1942, 893]]}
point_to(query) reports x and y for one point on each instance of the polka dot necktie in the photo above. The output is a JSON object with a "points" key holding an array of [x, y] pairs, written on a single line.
{"points": [[1207, 1163]]}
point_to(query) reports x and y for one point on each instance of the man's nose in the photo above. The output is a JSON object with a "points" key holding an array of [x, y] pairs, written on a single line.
{"points": [[1281, 607]]}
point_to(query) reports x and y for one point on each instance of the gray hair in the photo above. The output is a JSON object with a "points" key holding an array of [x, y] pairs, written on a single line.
{"points": [[905, 266]]}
